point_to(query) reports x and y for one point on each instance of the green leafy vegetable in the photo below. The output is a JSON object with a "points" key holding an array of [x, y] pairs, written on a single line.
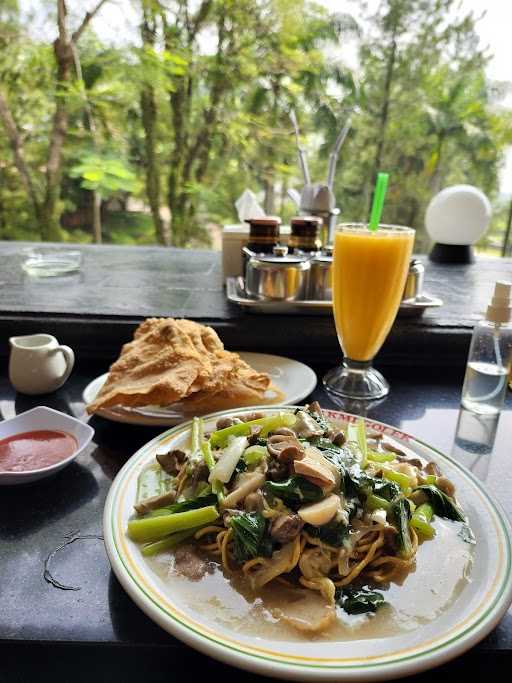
{"points": [[421, 518], [359, 600], [148, 529], [191, 504], [153, 481], [240, 467], [374, 502], [295, 490], [254, 454], [332, 533], [356, 440], [385, 489], [150, 549], [376, 456], [267, 424], [443, 505], [249, 536], [403, 481], [324, 444], [401, 511], [217, 486]]}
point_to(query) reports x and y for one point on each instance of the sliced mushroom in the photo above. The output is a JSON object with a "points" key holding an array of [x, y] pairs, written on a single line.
{"points": [[250, 416], [155, 502], [285, 528], [225, 422], [285, 431], [432, 468], [247, 483], [316, 468], [285, 448], [316, 408], [418, 497], [386, 446], [446, 486], [337, 437], [415, 462], [254, 502], [171, 461], [254, 434], [320, 513], [277, 471]]}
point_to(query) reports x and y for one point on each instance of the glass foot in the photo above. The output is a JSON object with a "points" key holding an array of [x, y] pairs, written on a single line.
{"points": [[356, 380]]}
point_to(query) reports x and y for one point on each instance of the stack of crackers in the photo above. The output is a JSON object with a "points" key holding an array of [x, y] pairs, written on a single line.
{"points": [[179, 361]]}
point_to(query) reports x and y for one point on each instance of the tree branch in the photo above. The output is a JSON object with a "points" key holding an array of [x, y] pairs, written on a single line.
{"points": [[16, 144], [86, 20], [61, 20], [199, 19]]}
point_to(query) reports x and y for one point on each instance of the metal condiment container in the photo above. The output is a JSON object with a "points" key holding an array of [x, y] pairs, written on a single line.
{"points": [[320, 278], [278, 276], [414, 283]]}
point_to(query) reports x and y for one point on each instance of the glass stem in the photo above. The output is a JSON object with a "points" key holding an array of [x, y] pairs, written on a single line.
{"points": [[358, 366]]}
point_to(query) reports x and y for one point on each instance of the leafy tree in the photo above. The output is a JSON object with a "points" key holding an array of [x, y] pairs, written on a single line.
{"points": [[45, 199]]}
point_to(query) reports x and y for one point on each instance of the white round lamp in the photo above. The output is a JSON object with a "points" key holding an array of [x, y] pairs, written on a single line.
{"points": [[456, 218]]}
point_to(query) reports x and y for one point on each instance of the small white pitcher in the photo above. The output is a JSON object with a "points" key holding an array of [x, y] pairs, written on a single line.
{"points": [[39, 364]]}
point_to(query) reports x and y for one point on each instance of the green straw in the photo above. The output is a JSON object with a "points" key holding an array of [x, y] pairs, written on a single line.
{"points": [[378, 200]]}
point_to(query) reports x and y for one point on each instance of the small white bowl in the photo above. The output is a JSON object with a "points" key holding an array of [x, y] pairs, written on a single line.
{"points": [[44, 418]]}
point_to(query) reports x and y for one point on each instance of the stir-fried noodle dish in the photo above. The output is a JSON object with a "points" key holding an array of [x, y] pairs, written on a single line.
{"points": [[289, 498]]}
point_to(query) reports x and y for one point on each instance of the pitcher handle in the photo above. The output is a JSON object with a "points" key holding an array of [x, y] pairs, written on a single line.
{"points": [[69, 357]]}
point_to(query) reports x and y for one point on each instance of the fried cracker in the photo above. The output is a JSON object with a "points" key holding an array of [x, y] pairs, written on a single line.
{"points": [[170, 360]]}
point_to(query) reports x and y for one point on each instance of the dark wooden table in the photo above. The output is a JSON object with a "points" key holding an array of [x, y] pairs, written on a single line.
{"points": [[97, 633], [96, 310]]}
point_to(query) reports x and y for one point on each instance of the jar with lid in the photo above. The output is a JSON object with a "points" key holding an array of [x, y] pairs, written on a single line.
{"points": [[263, 234], [305, 234]]}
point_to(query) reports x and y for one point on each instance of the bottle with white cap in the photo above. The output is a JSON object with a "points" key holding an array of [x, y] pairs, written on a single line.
{"points": [[490, 355]]}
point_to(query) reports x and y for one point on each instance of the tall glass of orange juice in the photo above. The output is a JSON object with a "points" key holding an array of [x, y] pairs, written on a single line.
{"points": [[369, 273]]}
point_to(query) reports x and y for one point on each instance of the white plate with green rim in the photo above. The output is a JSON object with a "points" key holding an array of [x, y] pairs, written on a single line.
{"points": [[484, 591], [293, 379]]}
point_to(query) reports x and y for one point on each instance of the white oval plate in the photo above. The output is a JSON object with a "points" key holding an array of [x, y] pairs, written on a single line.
{"points": [[471, 616], [295, 380]]}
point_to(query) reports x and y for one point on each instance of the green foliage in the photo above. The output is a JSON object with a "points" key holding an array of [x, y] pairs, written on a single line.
{"points": [[212, 83], [105, 174]]}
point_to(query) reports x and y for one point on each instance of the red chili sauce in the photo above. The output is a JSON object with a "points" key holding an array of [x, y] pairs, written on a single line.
{"points": [[35, 450]]}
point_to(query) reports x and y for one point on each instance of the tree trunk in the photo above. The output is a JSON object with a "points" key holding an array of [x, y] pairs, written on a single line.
{"points": [[149, 119], [96, 216], [269, 202], [149, 116], [384, 115], [506, 237], [437, 174], [62, 49], [47, 211]]}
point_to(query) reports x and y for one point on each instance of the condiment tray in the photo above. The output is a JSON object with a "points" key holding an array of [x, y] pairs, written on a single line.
{"points": [[235, 292]]}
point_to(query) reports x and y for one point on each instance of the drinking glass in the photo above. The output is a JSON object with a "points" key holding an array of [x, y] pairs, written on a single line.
{"points": [[369, 274]]}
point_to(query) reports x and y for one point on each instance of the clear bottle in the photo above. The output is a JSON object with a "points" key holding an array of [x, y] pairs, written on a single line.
{"points": [[490, 356]]}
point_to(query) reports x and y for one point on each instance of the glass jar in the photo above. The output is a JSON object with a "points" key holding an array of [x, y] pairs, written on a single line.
{"points": [[305, 234], [263, 234]]}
